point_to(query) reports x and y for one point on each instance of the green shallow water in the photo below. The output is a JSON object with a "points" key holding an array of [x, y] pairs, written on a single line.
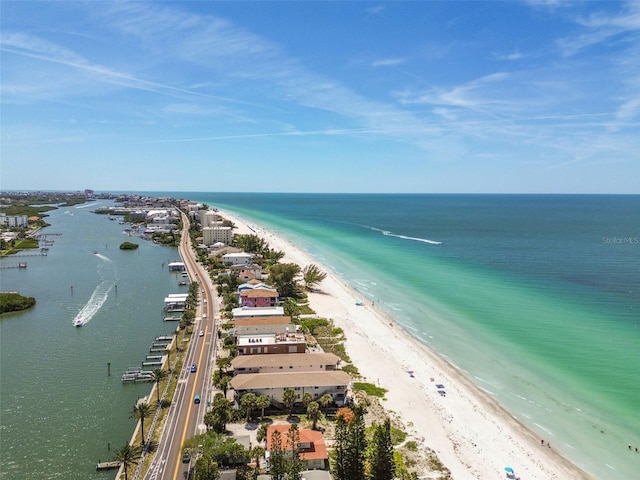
{"points": [[527, 298]]}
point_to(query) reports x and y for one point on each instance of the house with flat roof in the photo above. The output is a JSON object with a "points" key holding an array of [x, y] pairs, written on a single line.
{"points": [[257, 312], [288, 362], [242, 258], [311, 445], [216, 234], [243, 326], [282, 342], [306, 475], [317, 383]]}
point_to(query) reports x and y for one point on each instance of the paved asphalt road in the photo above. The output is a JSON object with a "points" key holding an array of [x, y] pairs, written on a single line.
{"points": [[185, 418]]}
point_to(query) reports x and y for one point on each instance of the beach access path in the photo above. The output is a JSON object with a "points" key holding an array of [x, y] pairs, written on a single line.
{"points": [[473, 436]]}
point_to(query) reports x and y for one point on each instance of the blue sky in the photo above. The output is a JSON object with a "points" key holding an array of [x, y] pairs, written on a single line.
{"points": [[537, 96]]}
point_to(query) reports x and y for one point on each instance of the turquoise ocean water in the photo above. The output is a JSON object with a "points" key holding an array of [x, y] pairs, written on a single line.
{"points": [[60, 412], [536, 297]]}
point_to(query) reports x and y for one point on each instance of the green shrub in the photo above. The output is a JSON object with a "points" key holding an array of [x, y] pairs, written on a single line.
{"points": [[128, 246], [370, 389], [411, 445]]}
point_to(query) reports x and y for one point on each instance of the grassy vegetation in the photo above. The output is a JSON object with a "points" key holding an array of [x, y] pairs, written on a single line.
{"points": [[411, 445], [14, 246], [370, 389], [28, 210]]}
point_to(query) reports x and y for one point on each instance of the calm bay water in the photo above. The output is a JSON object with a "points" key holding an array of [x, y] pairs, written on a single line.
{"points": [[59, 408], [536, 297]]}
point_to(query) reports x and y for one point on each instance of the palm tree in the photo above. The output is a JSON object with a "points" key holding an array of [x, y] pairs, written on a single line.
{"points": [[325, 400], [312, 275], [261, 434], [289, 398], [263, 402], [127, 455], [257, 452], [142, 411], [158, 375], [248, 402], [306, 399], [313, 413]]}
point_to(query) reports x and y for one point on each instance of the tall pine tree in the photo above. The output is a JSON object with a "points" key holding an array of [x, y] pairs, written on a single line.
{"points": [[276, 459], [295, 466], [381, 462], [351, 446]]}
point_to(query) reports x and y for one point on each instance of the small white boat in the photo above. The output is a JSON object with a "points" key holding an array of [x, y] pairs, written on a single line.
{"points": [[78, 323]]}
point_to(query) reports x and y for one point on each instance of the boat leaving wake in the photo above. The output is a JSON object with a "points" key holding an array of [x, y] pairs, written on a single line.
{"points": [[88, 205], [404, 237], [97, 299]]}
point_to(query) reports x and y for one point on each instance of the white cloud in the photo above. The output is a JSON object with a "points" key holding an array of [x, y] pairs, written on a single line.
{"points": [[388, 62]]}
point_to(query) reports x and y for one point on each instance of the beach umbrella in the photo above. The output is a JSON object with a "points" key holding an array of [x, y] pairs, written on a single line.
{"points": [[508, 469]]}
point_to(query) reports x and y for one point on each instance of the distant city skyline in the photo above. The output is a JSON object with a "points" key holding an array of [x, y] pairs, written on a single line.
{"points": [[538, 96]]}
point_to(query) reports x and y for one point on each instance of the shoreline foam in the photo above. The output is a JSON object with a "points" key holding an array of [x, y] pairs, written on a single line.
{"points": [[473, 435]]}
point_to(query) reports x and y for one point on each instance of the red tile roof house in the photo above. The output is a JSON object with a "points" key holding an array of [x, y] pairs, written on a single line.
{"points": [[259, 297], [313, 451]]}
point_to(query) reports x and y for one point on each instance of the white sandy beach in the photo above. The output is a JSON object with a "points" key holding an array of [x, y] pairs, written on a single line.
{"points": [[473, 436]]}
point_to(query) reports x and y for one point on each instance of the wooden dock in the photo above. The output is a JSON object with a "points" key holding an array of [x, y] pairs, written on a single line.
{"points": [[107, 465], [19, 265]]}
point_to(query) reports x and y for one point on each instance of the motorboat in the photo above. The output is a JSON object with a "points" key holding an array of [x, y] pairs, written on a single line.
{"points": [[78, 323]]}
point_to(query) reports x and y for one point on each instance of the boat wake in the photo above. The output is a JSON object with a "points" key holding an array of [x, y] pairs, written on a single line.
{"points": [[97, 299], [103, 257], [88, 205], [404, 237]]}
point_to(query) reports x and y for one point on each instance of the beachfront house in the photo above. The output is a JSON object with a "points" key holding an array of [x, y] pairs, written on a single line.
{"points": [[242, 312], [260, 325], [317, 383], [282, 342], [252, 283], [306, 475], [311, 446], [288, 362], [258, 297], [241, 258]]}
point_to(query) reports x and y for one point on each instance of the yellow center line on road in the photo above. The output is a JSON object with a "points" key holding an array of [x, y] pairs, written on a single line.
{"points": [[186, 423]]}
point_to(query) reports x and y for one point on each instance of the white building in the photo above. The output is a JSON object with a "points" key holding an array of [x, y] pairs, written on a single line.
{"points": [[14, 221], [213, 235], [237, 258], [208, 218], [258, 312]]}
